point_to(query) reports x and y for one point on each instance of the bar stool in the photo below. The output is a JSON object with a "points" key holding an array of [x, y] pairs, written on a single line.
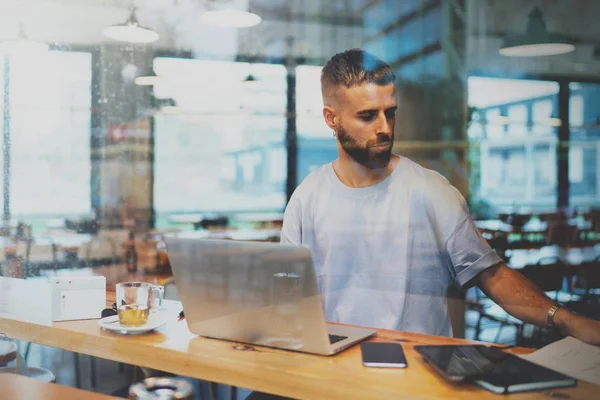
{"points": [[9, 352]]}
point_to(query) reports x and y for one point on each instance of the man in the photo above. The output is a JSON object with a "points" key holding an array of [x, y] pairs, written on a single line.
{"points": [[388, 236]]}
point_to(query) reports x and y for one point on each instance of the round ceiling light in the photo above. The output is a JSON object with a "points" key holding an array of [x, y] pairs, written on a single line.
{"points": [[536, 41], [131, 31]]}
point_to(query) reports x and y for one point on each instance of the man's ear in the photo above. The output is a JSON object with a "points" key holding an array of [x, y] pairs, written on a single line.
{"points": [[330, 117]]}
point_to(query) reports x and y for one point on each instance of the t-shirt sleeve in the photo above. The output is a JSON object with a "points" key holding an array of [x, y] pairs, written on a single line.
{"points": [[291, 231], [469, 252]]}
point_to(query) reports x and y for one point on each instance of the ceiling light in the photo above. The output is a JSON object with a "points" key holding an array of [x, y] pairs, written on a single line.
{"points": [[231, 18], [22, 44], [536, 41], [131, 31]]}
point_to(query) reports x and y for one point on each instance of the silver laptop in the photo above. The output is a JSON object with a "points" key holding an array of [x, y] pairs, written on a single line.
{"points": [[259, 293]]}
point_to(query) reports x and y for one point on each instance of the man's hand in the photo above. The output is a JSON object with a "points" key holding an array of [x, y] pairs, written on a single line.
{"points": [[585, 329]]}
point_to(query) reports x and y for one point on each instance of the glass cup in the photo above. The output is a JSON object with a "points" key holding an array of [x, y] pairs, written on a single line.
{"points": [[134, 300]]}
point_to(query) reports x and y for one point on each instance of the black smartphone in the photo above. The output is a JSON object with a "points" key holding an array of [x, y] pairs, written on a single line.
{"points": [[378, 354]]}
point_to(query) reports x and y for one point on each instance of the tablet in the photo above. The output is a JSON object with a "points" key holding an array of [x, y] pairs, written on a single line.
{"points": [[491, 368], [458, 363]]}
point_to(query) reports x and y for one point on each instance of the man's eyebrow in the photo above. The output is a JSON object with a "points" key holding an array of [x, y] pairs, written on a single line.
{"points": [[370, 111], [366, 111]]}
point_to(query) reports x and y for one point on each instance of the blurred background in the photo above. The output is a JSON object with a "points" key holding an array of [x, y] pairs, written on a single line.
{"points": [[124, 120]]}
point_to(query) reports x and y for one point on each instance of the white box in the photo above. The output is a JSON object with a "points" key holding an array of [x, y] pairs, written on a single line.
{"points": [[77, 297], [26, 300]]}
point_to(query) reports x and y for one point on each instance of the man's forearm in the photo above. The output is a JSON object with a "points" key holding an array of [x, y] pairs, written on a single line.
{"points": [[519, 296], [524, 300]]}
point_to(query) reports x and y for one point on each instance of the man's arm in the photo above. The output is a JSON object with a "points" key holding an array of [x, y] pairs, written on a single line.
{"points": [[525, 301]]}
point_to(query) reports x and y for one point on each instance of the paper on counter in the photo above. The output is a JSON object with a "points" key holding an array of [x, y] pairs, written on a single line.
{"points": [[571, 357]]}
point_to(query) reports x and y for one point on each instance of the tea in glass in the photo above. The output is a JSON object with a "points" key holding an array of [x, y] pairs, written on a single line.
{"points": [[133, 303], [133, 314]]}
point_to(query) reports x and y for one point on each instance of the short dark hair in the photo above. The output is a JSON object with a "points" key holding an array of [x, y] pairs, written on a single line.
{"points": [[354, 67]]}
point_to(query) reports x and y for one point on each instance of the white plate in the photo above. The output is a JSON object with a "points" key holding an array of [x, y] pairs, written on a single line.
{"points": [[155, 320]]}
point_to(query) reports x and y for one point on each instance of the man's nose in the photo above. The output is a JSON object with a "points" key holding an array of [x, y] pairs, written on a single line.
{"points": [[383, 124]]}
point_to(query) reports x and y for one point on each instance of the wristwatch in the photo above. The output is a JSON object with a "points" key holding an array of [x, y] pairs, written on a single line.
{"points": [[551, 312]]}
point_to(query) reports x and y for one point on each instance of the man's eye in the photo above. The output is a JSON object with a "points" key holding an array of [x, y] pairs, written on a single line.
{"points": [[390, 114], [367, 117]]}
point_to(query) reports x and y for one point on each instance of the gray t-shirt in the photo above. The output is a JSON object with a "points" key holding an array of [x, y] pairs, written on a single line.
{"points": [[385, 255]]}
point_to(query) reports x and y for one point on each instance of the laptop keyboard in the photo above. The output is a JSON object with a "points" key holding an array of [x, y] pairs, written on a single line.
{"points": [[336, 338]]}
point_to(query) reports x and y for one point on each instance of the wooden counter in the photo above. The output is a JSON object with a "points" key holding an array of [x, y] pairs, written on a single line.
{"points": [[174, 349]]}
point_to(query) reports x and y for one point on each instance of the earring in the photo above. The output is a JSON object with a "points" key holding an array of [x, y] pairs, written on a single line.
{"points": [[334, 133]]}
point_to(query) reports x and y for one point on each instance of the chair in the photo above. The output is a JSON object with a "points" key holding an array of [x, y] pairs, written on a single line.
{"points": [[586, 279], [548, 273]]}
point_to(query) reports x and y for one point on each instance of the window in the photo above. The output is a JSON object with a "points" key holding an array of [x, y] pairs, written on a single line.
{"points": [[495, 123], [223, 144], [542, 117], [584, 151], [518, 164], [50, 98], [518, 118], [576, 110]]}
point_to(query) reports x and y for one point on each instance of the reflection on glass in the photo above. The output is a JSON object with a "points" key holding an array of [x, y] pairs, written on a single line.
{"points": [[286, 295]]}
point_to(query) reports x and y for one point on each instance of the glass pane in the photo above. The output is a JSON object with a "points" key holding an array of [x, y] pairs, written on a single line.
{"points": [[513, 124], [222, 144], [584, 150], [506, 171], [50, 102], [542, 116], [544, 159]]}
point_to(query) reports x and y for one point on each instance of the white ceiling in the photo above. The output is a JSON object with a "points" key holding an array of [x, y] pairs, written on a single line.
{"points": [[319, 27]]}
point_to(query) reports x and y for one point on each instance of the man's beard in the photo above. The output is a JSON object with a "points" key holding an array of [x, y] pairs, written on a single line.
{"points": [[364, 154]]}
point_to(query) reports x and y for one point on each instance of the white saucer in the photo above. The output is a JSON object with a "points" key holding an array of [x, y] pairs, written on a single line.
{"points": [[155, 320]]}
